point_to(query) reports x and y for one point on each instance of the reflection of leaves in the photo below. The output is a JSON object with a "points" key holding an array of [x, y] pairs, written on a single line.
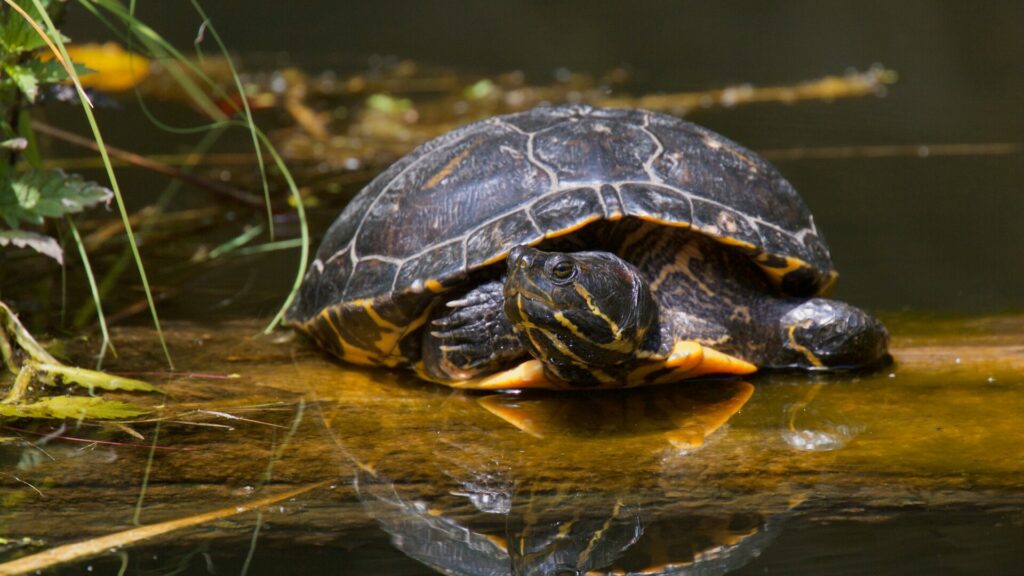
{"points": [[73, 408], [34, 195], [38, 242]]}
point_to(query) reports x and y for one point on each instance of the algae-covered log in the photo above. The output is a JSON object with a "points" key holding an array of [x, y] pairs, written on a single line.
{"points": [[250, 415]]}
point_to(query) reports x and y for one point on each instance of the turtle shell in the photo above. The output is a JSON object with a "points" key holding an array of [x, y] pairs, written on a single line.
{"points": [[460, 202]]}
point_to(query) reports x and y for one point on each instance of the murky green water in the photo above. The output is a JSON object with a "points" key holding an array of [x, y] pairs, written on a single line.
{"points": [[915, 469]]}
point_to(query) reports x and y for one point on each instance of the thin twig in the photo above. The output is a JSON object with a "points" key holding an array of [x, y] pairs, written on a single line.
{"points": [[26, 484], [134, 159], [89, 548]]}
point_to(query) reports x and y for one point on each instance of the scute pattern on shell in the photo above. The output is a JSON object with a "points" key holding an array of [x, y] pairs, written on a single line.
{"points": [[461, 201]]}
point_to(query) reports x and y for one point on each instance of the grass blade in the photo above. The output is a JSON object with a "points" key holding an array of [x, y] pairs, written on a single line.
{"points": [[98, 303], [110, 174], [303, 231], [248, 113]]}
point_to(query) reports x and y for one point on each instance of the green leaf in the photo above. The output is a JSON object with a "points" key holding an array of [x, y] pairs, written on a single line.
{"points": [[91, 379], [27, 196], [45, 245], [73, 408], [388, 104], [16, 35], [25, 80], [37, 194], [51, 71], [27, 77]]}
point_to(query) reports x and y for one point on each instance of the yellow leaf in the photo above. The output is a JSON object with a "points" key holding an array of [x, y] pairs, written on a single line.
{"points": [[72, 408], [115, 69]]}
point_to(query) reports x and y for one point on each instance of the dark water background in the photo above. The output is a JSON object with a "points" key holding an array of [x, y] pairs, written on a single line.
{"points": [[934, 234], [926, 235]]}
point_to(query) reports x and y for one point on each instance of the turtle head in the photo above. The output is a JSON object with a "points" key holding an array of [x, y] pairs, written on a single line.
{"points": [[579, 313], [826, 334]]}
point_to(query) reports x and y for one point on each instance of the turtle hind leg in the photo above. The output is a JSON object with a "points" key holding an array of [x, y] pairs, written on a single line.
{"points": [[469, 338]]}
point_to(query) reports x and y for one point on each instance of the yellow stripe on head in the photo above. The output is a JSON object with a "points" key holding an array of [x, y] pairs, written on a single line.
{"points": [[814, 360], [616, 333]]}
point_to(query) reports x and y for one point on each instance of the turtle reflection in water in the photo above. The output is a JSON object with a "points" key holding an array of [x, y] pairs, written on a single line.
{"points": [[575, 247], [512, 506]]}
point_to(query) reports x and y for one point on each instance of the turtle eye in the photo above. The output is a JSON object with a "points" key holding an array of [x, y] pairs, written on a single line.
{"points": [[562, 271]]}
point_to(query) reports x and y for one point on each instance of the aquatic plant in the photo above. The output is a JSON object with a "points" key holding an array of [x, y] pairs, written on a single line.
{"points": [[30, 195], [32, 60]]}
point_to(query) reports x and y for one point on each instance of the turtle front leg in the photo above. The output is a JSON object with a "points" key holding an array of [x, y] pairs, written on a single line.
{"points": [[470, 337]]}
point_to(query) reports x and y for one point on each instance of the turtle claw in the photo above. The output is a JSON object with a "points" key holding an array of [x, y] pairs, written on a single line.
{"points": [[472, 337]]}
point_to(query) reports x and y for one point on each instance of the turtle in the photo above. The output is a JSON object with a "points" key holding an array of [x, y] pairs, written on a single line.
{"points": [[576, 247]]}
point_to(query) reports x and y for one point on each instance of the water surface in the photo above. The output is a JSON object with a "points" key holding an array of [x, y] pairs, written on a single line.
{"points": [[916, 465]]}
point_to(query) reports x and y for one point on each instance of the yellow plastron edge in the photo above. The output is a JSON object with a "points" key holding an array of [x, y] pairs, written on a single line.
{"points": [[688, 360], [694, 359]]}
